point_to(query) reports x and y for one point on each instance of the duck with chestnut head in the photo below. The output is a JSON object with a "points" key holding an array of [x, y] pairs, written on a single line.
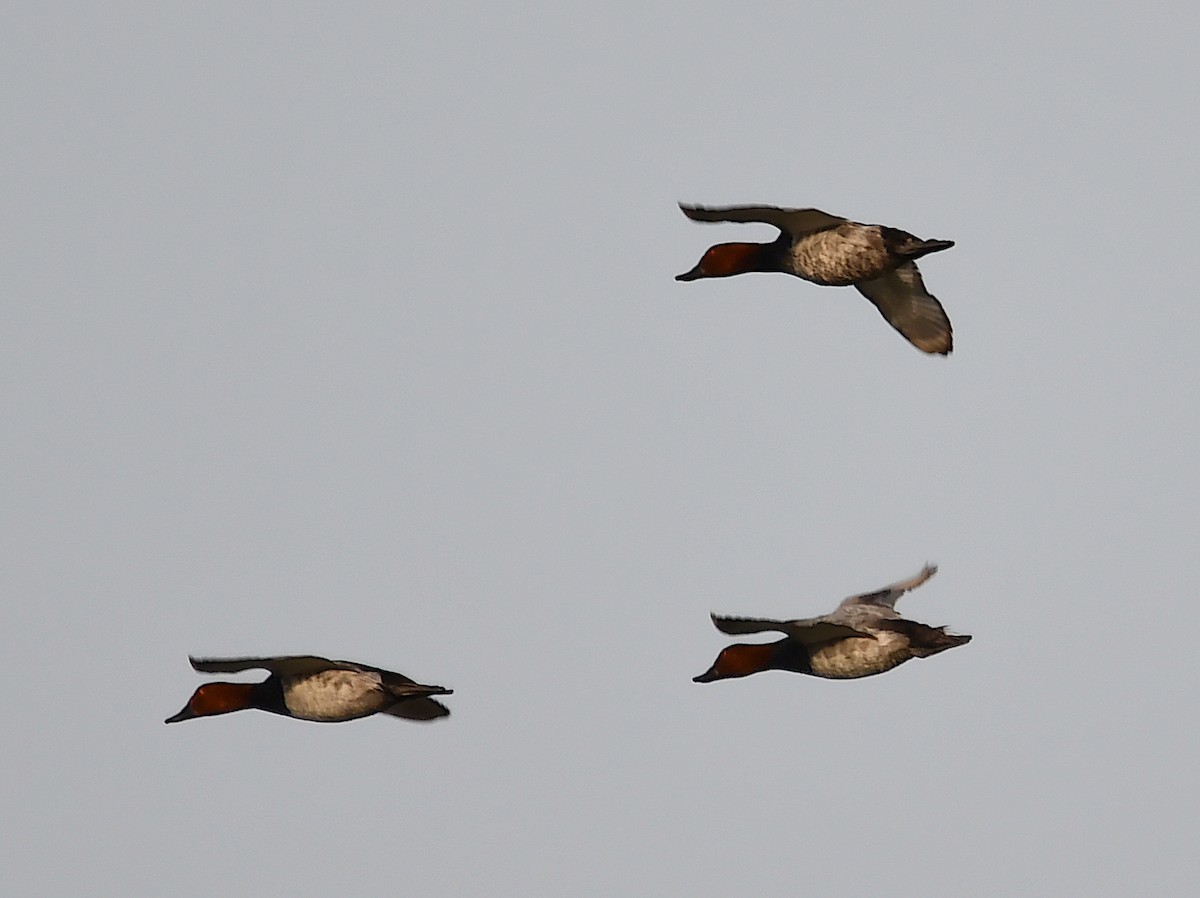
{"points": [[879, 261], [863, 636], [311, 688]]}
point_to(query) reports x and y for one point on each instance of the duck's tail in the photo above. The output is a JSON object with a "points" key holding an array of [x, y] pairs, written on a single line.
{"points": [[925, 641], [413, 701], [915, 247], [416, 690], [906, 246]]}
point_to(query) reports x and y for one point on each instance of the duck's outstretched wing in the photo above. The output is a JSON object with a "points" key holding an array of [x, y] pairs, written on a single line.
{"points": [[808, 630], [889, 595], [297, 665], [902, 299], [284, 665], [794, 221], [418, 709]]}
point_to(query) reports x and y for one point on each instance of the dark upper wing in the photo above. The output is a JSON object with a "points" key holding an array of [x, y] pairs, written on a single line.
{"points": [[889, 595], [809, 630], [902, 299], [418, 709], [794, 221], [286, 665], [397, 683]]}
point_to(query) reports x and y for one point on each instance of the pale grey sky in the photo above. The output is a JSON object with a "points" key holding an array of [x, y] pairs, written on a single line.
{"points": [[352, 330]]}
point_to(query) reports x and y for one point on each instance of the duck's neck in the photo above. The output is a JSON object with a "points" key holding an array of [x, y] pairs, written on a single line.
{"points": [[745, 658], [268, 695], [788, 654]]}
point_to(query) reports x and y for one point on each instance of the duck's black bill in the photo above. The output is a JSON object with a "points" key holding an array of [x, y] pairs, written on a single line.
{"points": [[185, 714], [693, 275], [707, 677]]}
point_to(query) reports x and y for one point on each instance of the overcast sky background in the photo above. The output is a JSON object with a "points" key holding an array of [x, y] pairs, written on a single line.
{"points": [[352, 331]]}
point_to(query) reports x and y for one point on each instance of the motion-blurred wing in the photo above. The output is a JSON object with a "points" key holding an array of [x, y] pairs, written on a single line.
{"points": [[808, 631], [889, 595], [397, 683], [795, 221], [285, 665], [902, 299]]}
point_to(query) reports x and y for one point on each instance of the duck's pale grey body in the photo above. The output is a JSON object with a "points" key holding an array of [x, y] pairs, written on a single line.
{"points": [[849, 659], [336, 695], [840, 256]]}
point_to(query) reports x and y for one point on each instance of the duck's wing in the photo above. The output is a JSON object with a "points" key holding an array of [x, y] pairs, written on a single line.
{"points": [[396, 683], [285, 665], [794, 221], [902, 299], [808, 630], [889, 595], [418, 709]]}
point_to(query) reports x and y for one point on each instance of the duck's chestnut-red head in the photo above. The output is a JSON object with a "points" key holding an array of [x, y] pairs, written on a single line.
{"points": [[739, 660], [215, 698], [727, 259]]}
